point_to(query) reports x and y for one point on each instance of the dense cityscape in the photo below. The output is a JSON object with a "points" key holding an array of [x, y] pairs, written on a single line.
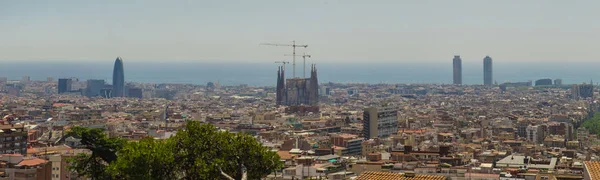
{"points": [[517, 131]]}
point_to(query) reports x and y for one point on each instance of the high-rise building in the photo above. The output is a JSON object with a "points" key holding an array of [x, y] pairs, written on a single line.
{"points": [[118, 79], [457, 70], [543, 82], [487, 71], [380, 122], [558, 82], [582, 91], [94, 86], [64, 85], [298, 91]]}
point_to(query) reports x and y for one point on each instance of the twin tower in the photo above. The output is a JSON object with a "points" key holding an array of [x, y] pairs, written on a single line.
{"points": [[487, 70]]}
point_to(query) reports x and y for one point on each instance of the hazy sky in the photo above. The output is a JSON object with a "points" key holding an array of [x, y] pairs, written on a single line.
{"points": [[335, 30]]}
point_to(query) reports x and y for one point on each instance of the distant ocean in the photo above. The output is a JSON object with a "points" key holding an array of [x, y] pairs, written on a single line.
{"points": [[264, 74]]}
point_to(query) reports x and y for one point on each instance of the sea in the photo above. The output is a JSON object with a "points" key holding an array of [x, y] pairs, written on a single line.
{"points": [[261, 73]]}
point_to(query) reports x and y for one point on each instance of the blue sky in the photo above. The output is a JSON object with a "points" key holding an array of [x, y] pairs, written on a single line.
{"points": [[337, 31]]}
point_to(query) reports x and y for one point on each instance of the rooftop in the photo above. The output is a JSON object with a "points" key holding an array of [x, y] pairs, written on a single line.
{"points": [[32, 162], [593, 169], [371, 175]]}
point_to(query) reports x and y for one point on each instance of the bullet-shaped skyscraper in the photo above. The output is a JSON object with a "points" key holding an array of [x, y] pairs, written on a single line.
{"points": [[487, 71], [118, 79], [457, 69]]}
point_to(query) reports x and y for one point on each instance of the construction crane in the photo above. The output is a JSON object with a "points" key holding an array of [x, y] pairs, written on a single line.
{"points": [[283, 62], [293, 45], [304, 56]]}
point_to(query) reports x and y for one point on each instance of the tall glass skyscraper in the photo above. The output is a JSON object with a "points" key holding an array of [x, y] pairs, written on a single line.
{"points": [[457, 70], [118, 79], [487, 71]]}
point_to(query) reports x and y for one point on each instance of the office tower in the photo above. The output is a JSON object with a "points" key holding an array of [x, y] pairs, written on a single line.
{"points": [[118, 79], [487, 71], [64, 85], [380, 122], [543, 82], [135, 93], [558, 82], [457, 70], [298, 91], [94, 86]]}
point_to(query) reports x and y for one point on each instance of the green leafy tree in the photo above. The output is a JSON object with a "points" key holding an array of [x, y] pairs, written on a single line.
{"points": [[145, 160], [592, 124], [104, 151], [203, 151], [199, 151]]}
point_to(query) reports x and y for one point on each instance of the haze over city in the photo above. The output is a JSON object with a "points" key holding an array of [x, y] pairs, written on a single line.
{"points": [[337, 31], [280, 90]]}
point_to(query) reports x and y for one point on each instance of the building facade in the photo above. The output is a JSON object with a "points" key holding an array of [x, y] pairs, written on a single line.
{"points": [[535, 134], [94, 86], [582, 91], [118, 79], [64, 85], [380, 122], [13, 139], [457, 70], [487, 71], [135, 93], [297, 91]]}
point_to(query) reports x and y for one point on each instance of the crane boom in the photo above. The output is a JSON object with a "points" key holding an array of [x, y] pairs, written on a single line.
{"points": [[283, 62], [304, 56], [293, 45]]}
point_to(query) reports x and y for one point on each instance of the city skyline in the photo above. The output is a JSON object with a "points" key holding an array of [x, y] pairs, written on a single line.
{"points": [[337, 31]]}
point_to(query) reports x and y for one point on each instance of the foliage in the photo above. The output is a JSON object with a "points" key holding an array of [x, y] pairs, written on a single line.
{"points": [[146, 159], [592, 124], [198, 151], [104, 151], [221, 149]]}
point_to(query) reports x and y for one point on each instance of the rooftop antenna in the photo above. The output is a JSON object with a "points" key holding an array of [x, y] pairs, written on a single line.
{"points": [[293, 45], [304, 56]]}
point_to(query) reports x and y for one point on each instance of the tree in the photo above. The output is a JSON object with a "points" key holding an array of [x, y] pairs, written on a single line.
{"points": [[199, 151], [145, 160], [203, 151], [104, 151]]}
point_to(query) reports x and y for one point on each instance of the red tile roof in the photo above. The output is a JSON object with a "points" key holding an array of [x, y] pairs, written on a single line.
{"points": [[32, 162]]}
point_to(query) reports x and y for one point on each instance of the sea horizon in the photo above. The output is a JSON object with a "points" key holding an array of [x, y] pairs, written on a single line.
{"points": [[260, 73]]}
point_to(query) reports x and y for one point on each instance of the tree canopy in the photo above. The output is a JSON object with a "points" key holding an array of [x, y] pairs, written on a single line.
{"points": [[198, 151], [592, 124]]}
